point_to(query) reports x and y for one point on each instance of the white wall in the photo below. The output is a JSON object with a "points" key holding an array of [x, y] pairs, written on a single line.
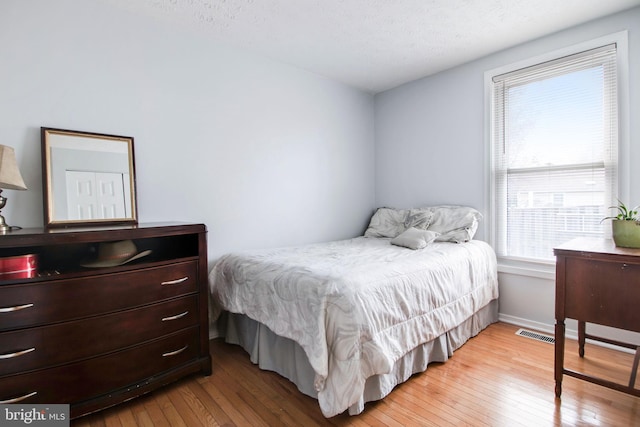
{"points": [[430, 146], [263, 153]]}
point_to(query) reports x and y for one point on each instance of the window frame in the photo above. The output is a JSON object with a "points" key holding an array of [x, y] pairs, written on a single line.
{"points": [[539, 268]]}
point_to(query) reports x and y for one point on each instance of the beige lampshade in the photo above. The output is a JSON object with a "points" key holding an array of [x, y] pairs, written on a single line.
{"points": [[10, 177]]}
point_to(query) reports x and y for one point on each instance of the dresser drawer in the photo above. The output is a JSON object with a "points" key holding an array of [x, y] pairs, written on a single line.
{"points": [[597, 291], [40, 347], [94, 377], [68, 299]]}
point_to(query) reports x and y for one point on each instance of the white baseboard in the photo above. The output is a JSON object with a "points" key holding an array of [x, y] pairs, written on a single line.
{"points": [[530, 324], [550, 329]]}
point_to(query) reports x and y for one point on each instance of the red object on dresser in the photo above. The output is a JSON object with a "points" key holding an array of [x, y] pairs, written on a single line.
{"points": [[18, 267]]}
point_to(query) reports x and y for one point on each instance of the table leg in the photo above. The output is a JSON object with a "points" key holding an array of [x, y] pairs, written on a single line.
{"points": [[559, 355], [582, 328], [634, 370]]}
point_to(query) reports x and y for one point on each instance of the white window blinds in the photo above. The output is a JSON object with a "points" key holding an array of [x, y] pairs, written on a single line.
{"points": [[554, 144]]}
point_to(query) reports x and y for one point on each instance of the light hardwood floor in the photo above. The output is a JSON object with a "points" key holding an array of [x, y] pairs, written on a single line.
{"points": [[495, 379]]}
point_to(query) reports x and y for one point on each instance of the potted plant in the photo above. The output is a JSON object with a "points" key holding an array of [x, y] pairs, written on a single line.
{"points": [[625, 226]]}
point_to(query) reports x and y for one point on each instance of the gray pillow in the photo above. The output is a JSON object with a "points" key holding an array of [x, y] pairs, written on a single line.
{"points": [[414, 238]]}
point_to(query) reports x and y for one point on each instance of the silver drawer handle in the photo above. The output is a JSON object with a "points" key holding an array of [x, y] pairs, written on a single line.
{"points": [[17, 353], [176, 317], [15, 308], [175, 282], [19, 399], [173, 353]]}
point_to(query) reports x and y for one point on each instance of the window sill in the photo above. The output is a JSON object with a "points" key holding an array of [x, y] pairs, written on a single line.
{"points": [[540, 270]]}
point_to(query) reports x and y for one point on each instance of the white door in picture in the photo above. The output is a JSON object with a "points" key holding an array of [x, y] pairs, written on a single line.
{"points": [[95, 195], [81, 195], [110, 195]]}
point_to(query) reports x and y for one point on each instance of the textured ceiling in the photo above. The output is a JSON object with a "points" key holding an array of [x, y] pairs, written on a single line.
{"points": [[374, 44]]}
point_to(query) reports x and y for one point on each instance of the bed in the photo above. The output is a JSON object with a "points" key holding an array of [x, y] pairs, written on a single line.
{"points": [[347, 321]]}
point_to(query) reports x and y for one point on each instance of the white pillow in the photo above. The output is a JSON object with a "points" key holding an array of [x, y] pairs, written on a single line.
{"points": [[418, 218], [414, 238], [460, 235], [387, 222], [455, 223], [390, 222]]}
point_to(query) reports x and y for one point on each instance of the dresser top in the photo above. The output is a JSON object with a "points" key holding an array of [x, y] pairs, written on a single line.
{"points": [[39, 236], [591, 245]]}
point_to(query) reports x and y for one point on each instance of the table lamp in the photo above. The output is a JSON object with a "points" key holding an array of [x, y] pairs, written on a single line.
{"points": [[10, 178]]}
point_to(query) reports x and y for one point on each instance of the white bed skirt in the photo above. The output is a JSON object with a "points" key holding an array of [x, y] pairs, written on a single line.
{"points": [[274, 353]]}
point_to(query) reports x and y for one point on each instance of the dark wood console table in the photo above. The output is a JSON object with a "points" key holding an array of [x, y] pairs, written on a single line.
{"points": [[596, 282]]}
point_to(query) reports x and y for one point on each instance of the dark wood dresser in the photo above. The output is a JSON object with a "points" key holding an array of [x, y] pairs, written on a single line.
{"points": [[95, 337], [599, 283]]}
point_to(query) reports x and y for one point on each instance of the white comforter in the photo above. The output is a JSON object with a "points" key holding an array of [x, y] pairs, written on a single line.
{"points": [[356, 306]]}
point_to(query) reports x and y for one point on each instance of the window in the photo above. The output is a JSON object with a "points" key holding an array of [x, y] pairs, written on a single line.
{"points": [[554, 144]]}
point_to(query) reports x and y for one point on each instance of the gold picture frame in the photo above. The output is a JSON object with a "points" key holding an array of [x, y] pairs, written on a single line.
{"points": [[88, 178]]}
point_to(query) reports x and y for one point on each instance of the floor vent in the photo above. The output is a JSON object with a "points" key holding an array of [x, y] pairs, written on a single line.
{"points": [[536, 336]]}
